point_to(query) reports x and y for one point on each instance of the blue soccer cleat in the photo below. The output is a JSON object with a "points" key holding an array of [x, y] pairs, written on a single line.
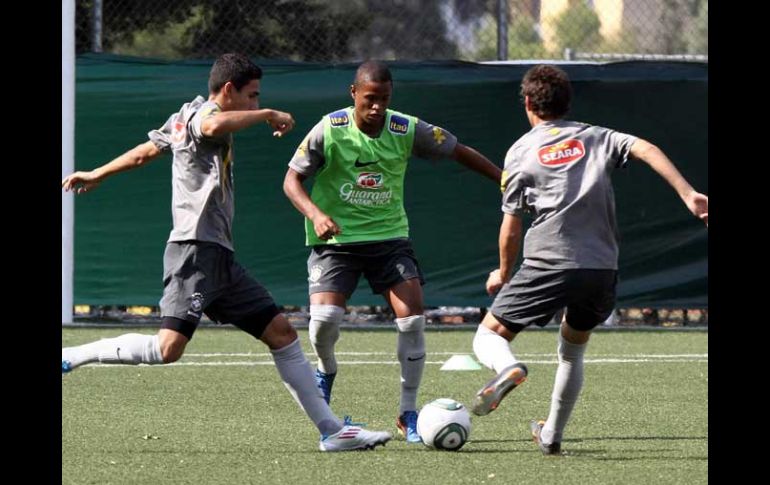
{"points": [[407, 427], [66, 366], [325, 382]]}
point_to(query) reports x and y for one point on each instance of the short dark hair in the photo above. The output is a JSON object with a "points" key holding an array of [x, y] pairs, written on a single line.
{"points": [[373, 71], [549, 91], [235, 68]]}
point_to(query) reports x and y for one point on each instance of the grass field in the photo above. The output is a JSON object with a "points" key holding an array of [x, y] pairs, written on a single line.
{"points": [[222, 416]]}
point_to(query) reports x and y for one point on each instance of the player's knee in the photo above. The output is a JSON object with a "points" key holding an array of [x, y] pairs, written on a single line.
{"points": [[279, 333], [414, 323], [327, 313], [172, 350], [324, 323]]}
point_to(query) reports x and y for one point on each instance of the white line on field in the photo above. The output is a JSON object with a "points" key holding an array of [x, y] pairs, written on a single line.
{"points": [[641, 356], [374, 362]]}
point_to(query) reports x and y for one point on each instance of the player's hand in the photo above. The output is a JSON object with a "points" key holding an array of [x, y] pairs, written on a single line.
{"points": [[325, 227], [80, 182], [494, 282], [281, 123], [699, 206]]}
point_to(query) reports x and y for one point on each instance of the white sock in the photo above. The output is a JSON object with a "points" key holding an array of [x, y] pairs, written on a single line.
{"points": [[324, 331], [566, 388], [492, 350], [131, 348], [411, 355], [297, 376]]}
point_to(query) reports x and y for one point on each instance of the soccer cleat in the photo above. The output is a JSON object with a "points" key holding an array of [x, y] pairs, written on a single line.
{"points": [[407, 427], [353, 438], [66, 366], [348, 421], [324, 382], [489, 397], [536, 427]]}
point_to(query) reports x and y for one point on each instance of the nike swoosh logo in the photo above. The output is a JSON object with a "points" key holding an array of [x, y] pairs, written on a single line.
{"points": [[364, 164], [416, 358]]}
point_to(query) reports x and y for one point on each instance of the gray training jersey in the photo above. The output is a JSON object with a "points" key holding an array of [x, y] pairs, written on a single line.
{"points": [[430, 143], [560, 171], [202, 204]]}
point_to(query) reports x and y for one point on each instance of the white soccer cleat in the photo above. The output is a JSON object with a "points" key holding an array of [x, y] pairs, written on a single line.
{"points": [[352, 437]]}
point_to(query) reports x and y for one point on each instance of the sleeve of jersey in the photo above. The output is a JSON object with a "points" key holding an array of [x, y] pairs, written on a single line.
{"points": [[432, 142], [309, 156], [162, 136], [195, 125], [620, 146], [513, 186]]}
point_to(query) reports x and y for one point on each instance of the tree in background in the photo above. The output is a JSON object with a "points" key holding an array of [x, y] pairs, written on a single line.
{"points": [[698, 36], [350, 30], [301, 30], [401, 29], [577, 28], [524, 42], [308, 30]]}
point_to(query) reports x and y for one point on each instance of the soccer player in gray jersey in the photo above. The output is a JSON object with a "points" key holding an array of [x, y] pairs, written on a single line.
{"points": [[559, 171], [200, 274]]}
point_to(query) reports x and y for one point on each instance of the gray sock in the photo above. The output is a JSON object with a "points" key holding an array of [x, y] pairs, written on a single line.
{"points": [[411, 355], [131, 348], [324, 331], [566, 388], [297, 375]]}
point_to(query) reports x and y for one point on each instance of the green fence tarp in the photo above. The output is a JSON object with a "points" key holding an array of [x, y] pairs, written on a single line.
{"points": [[121, 228]]}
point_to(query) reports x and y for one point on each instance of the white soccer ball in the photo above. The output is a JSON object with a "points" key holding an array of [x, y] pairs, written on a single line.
{"points": [[444, 424]]}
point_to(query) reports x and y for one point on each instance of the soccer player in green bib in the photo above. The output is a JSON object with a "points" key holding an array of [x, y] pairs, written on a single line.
{"points": [[355, 221]]}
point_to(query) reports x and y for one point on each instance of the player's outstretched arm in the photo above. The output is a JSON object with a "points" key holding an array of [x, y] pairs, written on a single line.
{"points": [[476, 162], [231, 121], [81, 182], [696, 202]]}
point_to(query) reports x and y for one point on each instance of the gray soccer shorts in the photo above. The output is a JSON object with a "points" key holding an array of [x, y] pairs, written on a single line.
{"points": [[338, 267], [534, 295], [202, 277]]}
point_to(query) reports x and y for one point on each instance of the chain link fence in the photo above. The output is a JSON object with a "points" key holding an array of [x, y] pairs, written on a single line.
{"points": [[353, 30]]}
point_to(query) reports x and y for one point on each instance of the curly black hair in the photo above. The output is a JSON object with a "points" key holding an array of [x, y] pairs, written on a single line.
{"points": [[549, 91]]}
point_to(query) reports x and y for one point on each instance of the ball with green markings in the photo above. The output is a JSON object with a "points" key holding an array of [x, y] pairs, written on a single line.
{"points": [[444, 424]]}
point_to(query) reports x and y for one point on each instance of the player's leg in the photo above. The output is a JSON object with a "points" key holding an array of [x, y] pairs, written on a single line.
{"points": [[491, 344], [181, 307], [327, 309], [566, 389], [406, 300], [130, 348], [592, 302], [272, 327], [531, 296], [332, 277], [249, 306], [392, 271]]}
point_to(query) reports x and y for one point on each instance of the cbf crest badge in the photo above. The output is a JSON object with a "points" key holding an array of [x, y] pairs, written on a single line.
{"points": [[315, 273], [197, 302]]}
